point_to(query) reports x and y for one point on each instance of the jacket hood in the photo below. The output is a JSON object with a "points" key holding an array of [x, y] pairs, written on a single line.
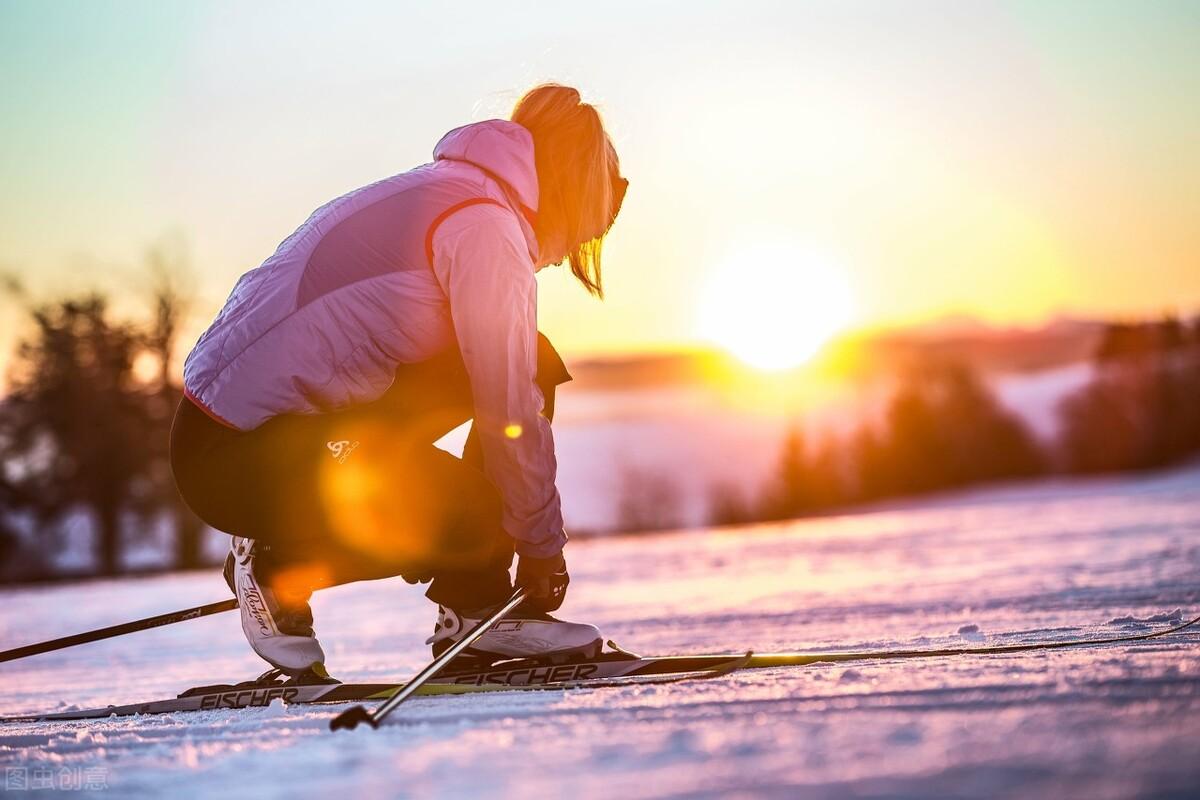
{"points": [[500, 147]]}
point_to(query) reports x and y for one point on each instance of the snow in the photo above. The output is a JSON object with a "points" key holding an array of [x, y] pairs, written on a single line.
{"points": [[1020, 564], [1128, 621], [1035, 396]]}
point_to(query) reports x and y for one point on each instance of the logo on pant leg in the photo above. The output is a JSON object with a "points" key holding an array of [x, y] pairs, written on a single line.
{"points": [[341, 450], [255, 606]]}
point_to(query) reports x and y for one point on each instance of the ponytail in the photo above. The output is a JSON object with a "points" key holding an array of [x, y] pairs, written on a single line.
{"points": [[579, 179]]}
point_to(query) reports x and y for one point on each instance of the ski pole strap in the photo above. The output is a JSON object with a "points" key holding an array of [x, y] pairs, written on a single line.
{"points": [[118, 630]]}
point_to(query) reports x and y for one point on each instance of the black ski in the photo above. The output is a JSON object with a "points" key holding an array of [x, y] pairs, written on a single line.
{"points": [[608, 669]]}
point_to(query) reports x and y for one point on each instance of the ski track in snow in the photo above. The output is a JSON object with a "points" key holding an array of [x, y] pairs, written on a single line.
{"points": [[1016, 564]]}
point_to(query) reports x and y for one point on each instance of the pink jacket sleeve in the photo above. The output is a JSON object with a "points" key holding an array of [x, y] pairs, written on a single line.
{"points": [[482, 262]]}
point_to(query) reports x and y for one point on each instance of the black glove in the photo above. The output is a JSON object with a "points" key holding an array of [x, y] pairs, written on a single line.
{"points": [[544, 580]]}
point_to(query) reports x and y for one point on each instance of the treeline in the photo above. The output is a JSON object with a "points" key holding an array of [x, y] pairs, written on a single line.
{"points": [[1142, 410], [943, 429], [84, 432]]}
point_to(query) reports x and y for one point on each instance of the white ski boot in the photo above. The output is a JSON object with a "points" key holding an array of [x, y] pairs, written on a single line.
{"points": [[522, 634], [282, 636]]}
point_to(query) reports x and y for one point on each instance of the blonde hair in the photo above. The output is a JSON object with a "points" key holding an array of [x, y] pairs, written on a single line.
{"points": [[579, 177]]}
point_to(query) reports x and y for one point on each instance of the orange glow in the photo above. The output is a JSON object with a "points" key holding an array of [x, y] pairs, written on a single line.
{"points": [[296, 582], [774, 306], [367, 510]]}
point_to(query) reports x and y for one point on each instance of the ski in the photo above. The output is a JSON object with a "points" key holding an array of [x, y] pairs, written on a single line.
{"points": [[609, 669]]}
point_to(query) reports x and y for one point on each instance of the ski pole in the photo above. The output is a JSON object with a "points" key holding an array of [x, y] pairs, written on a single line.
{"points": [[352, 716], [119, 630]]}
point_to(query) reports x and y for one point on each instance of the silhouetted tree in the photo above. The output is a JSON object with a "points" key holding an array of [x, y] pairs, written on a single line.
{"points": [[942, 429], [947, 430], [727, 505], [828, 474], [871, 468], [73, 428], [922, 449], [790, 492], [86, 425], [1142, 408], [171, 297], [648, 500]]}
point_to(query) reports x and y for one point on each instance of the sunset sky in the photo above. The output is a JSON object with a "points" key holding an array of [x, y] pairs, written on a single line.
{"points": [[1010, 161]]}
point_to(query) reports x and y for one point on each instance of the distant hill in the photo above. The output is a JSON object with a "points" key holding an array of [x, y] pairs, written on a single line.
{"points": [[987, 349], [962, 339], [965, 340]]}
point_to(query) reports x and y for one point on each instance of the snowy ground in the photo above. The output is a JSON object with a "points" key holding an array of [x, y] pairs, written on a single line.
{"points": [[1018, 564]]}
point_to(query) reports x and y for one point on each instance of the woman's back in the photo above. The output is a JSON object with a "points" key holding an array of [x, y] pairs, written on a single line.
{"points": [[324, 322]]}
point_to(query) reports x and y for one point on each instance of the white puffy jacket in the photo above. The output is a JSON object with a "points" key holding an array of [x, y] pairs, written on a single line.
{"points": [[393, 273]]}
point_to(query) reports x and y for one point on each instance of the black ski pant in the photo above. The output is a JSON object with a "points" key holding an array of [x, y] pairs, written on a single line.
{"points": [[361, 493]]}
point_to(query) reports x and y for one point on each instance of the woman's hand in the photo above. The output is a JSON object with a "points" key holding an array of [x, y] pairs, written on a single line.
{"points": [[544, 580]]}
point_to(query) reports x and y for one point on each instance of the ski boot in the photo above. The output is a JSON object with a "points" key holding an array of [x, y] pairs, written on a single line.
{"points": [[522, 634], [281, 635]]}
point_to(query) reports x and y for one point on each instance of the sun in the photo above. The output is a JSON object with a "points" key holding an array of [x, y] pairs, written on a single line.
{"points": [[773, 307]]}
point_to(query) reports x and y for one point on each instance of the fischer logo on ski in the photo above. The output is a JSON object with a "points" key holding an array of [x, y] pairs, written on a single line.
{"points": [[531, 676], [248, 697]]}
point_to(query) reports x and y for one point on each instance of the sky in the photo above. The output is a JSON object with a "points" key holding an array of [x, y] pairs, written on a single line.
{"points": [[1012, 162]]}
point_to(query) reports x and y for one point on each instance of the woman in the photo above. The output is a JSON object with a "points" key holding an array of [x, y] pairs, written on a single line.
{"points": [[393, 315]]}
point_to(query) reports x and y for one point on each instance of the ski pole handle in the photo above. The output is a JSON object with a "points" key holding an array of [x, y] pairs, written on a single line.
{"points": [[352, 716]]}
